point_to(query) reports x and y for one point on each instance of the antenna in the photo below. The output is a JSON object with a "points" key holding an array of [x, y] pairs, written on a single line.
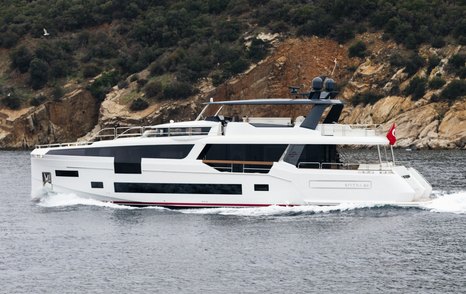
{"points": [[334, 67]]}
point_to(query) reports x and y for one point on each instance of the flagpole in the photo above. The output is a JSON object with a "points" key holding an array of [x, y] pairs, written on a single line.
{"points": [[380, 156], [393, 155]]}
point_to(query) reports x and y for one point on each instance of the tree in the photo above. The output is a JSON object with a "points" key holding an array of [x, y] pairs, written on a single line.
{"points": [[153, 89], [138, 105], [178, 90], [39, 73], [258, 49], [21, 58], [358, 49], [416, 88], [454, 90]]}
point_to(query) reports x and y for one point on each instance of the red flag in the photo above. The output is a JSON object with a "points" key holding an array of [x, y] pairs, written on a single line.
{"points": [[391, 135]]}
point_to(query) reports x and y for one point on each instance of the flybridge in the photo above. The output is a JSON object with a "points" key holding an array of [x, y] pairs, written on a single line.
{"points": [[321, 96]]}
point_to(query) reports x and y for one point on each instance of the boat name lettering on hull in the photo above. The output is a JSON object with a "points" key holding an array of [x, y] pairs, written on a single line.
{"points": [[327, 184]]}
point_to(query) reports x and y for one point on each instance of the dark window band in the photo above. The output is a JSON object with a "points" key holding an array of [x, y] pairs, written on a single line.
{"points": [[244, 152], [98, 185], [127, 159], [123, 152], [66, 173], [227, 189], [261, 187]]}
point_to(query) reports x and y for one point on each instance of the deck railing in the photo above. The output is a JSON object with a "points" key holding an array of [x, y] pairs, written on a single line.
{"points": [[240, 165], [384, 166], [363, 130]]}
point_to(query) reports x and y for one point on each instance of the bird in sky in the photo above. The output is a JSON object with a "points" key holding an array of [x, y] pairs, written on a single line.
{"points": [[46, 33]]}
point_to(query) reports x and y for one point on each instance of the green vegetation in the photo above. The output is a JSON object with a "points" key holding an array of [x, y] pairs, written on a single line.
{"points": [[456, 65], [436, 83], [58, 92], [153, 89], [195, 39], [12, 102], [102, 85], [411, 61], [138, 104], [453, 90], [38, 100], [433, 62], [416, 88], [358, 49]]}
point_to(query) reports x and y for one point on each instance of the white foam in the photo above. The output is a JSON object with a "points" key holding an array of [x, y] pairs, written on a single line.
{"points": [[64, 199], [279, 210], [443, 202], [448, 202]]}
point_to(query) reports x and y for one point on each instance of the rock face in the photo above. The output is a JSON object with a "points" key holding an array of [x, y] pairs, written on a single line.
{"points": [[61, 121], [294, 62]]}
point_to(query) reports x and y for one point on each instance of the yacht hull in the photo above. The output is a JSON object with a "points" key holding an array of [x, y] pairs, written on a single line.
{"points": [[191, 183]]}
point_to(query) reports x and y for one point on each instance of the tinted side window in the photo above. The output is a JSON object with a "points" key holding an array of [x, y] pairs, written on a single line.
{"points": [[156, 151], [243, 152]]}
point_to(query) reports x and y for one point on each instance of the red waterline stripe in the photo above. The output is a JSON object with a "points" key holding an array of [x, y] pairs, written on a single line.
{"points": [[198, 204]]}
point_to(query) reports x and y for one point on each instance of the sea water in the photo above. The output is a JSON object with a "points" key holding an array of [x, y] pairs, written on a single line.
{"points": [[61, 243]]}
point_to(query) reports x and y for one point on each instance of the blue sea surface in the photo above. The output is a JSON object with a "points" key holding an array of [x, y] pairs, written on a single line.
{"points": [[64, 244]]}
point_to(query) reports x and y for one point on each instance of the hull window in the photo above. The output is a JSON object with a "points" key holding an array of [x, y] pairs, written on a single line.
{"points": [[98, 185], [66, 173], [261, 187], [175, 188]]}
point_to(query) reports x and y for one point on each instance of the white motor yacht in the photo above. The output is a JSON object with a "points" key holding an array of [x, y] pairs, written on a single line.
{"points": [[221, 161]]}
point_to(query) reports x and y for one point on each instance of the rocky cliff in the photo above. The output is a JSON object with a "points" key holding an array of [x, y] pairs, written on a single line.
{"points": [[56, 121], [423, 123]]}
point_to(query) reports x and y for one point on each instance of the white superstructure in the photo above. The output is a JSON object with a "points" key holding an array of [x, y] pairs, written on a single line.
{"points": [[239, 162]]}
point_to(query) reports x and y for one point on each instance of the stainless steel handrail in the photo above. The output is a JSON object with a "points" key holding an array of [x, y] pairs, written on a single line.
{"points": [[386, 166]]}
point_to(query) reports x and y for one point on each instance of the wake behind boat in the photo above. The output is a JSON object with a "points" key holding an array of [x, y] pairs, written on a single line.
{"points": [[233, 161]]}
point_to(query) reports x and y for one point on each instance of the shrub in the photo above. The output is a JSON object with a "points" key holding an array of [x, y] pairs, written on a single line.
{"points": [[58, 92], [416, 88], [238, 66], [217, 77], [123, 84], [436, 83], [134, 78], [8, 39], [59, 68], [456, 64], [462, 73], [433, 62], [453, 90], [358, 49], [138, 105], [21, 58], [38, 73], [177, 90], [412, 62], [91, 70], [368, 97], [343, 32], [102, 85], [457, 61], [438, 42], [12, 102], [141, 83], [38, 100], [153, 89], [258, 49]]}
